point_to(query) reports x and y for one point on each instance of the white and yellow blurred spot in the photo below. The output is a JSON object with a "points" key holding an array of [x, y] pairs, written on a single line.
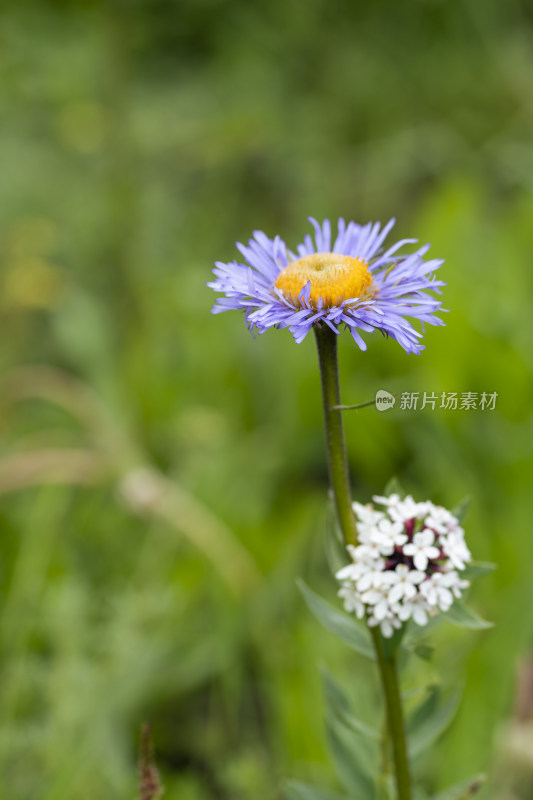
{"points": [[31, 283], [82, 126]]}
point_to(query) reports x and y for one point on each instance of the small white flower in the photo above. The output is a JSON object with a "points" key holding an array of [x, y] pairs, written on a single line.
{"points": [[422, 549], [453, 581], [367, 519], [389, 535], [352, 601], [381, 610], [377, 595], [351, 572], [415, 608], [364, 559], [370, 552], [441, 520], [391, 500], [407, 509], [406, 583], [372, 579], [366, 533], [455, 548], [387, 626], [367, 514], [437, 592]]}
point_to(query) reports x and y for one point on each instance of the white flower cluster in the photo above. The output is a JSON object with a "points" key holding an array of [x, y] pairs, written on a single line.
{"points": [[406, 565]]}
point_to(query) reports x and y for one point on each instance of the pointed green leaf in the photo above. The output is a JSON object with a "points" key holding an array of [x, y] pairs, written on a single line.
{"points": [[424, 651], [353, 767], [394, 487], [423, 711], [476, 569], [295, 790], [338, 622], [461, 509], [355, 746], [429, 720], [464, 617], [462, 791], [338, 706]]}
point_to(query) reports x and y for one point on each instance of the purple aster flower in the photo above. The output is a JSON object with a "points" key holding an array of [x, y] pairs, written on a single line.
{"points": [[350, 282]]}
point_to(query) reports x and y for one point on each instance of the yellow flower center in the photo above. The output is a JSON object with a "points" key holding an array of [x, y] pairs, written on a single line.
{"points": [[333, 277]]}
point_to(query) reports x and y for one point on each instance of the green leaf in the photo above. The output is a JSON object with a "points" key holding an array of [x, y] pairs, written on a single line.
{"points": [[461, 509], [424, 710], [353, 767], [394, 487], [424, 651], [429, 720], [462, 791], [338, 622], [464, 617], [476, 569], [295, 790], [355, 746], [338, 705]]}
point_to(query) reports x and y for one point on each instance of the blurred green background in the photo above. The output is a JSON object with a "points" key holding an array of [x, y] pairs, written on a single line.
{"points": [[162, 473]]}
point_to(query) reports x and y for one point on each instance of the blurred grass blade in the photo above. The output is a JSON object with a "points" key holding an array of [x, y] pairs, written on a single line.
{"points": [[462, 791], [74, 466], [338, 622], [295, 790]]}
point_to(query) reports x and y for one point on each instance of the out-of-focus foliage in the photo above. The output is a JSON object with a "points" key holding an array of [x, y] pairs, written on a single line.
{"points": [[162, 474]]}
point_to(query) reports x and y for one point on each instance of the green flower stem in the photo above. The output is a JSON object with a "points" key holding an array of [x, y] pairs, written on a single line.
{"points": [[339, 474], [395, 722], [340, 482]]}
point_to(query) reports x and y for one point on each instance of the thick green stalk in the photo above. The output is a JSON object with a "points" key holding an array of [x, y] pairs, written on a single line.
{"points": [[340, 483], [339, 474], [395, 722]]}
